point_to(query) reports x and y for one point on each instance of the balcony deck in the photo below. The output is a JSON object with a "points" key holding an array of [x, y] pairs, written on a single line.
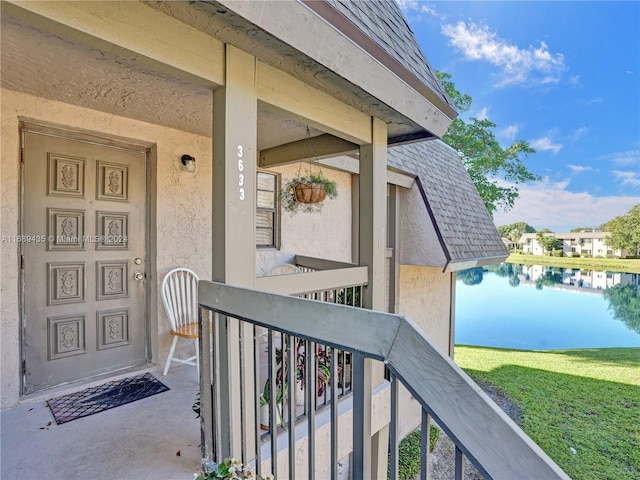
{"points": [[138, 441]]}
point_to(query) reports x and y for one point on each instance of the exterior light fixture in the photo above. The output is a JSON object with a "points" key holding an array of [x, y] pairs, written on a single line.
{"points": [[189, 162]]}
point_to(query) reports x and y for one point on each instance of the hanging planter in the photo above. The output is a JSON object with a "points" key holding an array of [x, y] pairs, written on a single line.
{"points": [[307, 191], [311, 192]]}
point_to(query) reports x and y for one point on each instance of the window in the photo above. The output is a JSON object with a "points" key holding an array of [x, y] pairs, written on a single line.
{"points": [[267, 210]]}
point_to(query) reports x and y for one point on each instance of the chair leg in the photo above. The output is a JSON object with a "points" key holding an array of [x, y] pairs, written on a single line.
{"points": [[170, 356]]}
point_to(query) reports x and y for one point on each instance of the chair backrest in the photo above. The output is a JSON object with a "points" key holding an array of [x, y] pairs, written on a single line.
{"points": [[283, 269], [180, 296]]}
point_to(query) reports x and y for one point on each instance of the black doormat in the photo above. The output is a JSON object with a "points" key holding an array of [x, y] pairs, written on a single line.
{"points": [[104, 397]]}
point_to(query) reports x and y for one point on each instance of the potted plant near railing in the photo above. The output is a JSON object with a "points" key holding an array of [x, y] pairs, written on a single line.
{"points": [[265, 399], [323, 374], [323, 370]]}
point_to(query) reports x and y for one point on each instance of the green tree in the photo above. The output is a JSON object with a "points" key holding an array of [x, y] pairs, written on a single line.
{"points": [[515, 231], [624, 231], [506, 269], [624, 302], [552, 276], [548, 241], [483, 157], [471, 276]]}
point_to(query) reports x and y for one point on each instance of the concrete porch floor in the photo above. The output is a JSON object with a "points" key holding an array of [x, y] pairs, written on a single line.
{"points": [[137, 441]]}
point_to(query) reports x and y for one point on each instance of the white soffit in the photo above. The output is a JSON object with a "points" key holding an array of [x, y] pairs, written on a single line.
{"points": [[313, 36]]}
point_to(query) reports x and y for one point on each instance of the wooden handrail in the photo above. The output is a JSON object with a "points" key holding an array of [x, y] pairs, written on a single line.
{"points": [[305, 282], [486, 435], [321, 263]]}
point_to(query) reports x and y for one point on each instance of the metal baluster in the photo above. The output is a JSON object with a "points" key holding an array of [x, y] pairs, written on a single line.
{"points": [[291, 398], [310, 348], [358, 386], [256, 405], [425, 442], [393, 429], [207, 411], [334, 414], [273, 419], [459, 464], [243, 396]]}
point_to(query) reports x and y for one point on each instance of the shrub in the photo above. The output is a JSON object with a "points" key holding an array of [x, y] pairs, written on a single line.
{"points": [[409, 452]]}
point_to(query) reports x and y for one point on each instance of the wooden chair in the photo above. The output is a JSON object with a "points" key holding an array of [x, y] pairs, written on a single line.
{"points": [[180, 299], [283, 269]]}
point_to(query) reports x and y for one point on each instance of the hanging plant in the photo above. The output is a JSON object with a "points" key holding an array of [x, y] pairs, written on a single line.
{"points": [[306, 191]]}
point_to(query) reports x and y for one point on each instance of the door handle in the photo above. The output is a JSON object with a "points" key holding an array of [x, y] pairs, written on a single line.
{"points": [[138, 276]]}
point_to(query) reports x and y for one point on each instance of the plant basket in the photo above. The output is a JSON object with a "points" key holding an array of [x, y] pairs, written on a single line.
{"points": [[310, 192]]}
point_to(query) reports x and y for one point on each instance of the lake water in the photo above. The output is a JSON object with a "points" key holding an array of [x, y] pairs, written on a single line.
{"points": [[547, 308]]}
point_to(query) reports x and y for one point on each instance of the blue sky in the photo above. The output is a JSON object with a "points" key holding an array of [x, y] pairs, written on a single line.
{"points": [[565, 77]]}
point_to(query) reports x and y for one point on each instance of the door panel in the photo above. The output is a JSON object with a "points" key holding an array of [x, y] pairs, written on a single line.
{"points": [[84, 217]]}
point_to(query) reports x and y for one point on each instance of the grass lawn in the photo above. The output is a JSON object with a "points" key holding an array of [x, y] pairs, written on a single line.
{"points": [[585, 400], [599, 264]]}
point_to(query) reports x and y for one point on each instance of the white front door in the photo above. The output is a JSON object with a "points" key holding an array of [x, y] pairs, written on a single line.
{"points": [[83, 260]]}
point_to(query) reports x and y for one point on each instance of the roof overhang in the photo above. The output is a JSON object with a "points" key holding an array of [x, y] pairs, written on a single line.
{"points": [[354, 69]]}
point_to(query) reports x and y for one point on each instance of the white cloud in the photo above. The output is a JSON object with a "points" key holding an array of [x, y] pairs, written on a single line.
{"points": [[594, 101], [417, 8], [483, 114], [550, 205], [518, 66], [575, 80], [509, 132], [630, 157], [627, 178], [578, 168], [579, 133], [545, 143]]}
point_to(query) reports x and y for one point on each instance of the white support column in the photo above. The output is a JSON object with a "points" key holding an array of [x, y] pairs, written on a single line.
{"points": [[233, 236], [393, 241], [372, 242], [373, 213]]}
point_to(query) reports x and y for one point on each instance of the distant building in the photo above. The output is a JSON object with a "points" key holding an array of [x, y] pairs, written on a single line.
{"points": [[574, 244]]}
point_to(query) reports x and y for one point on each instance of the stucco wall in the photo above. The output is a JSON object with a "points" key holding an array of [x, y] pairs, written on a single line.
{"points": [[183, 203], [325, 234], [425, 296], [421, 245]]}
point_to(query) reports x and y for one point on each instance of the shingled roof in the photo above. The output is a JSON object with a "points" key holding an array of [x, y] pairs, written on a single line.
{"points": [[384, 23], [459, 218], [462, 223]]}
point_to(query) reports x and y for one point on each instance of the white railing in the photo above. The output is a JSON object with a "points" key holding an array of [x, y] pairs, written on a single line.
{"points": [[481, 432]]}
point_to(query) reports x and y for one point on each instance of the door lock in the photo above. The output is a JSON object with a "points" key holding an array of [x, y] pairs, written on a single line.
{"points": [[138, 275]]}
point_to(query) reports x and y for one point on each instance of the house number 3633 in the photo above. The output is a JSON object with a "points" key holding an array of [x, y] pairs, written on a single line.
{"points": [[240, 174]]}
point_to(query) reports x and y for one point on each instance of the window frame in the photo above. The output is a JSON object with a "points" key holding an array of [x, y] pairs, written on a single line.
{"points": [[275, 210]]}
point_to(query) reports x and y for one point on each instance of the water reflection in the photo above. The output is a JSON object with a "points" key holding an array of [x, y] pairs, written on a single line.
{"points": [[487, 314], [544, 275], [580, 279], [624, 302]]}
